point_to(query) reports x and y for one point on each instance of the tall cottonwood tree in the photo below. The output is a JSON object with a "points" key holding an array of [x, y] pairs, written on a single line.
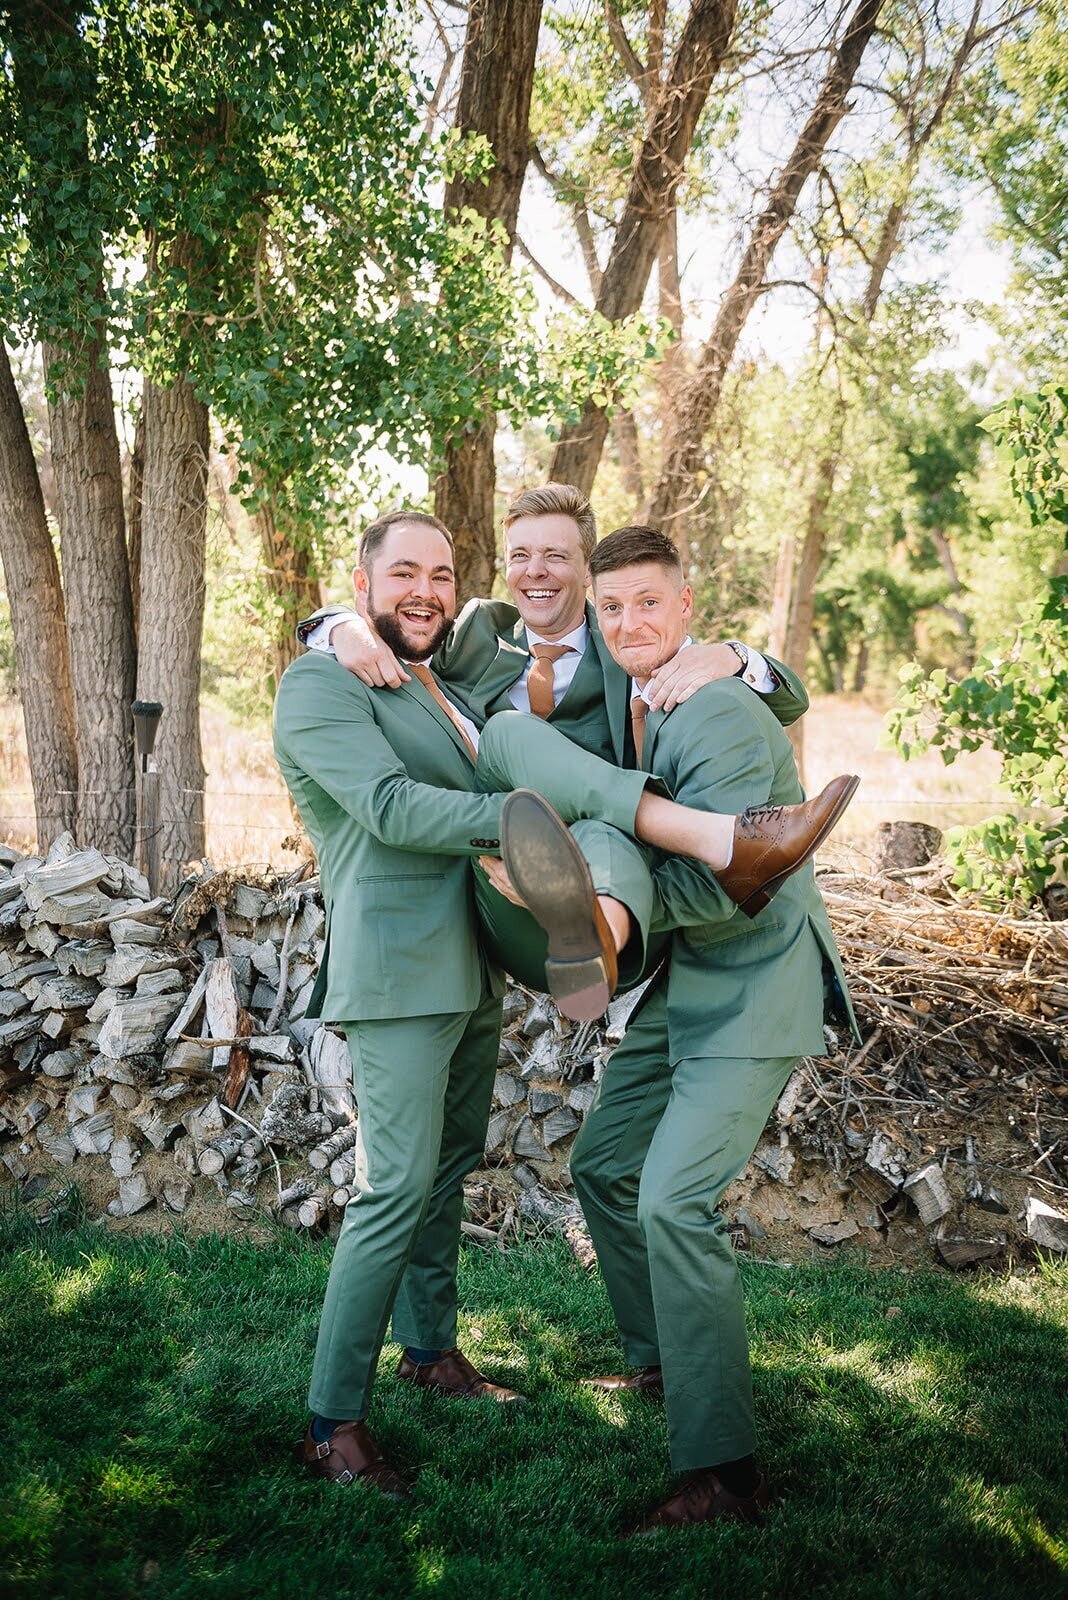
{"points": [[675, 490], [648, 208], [31, 574], [933, 77], [497, 75], [53, 95]]}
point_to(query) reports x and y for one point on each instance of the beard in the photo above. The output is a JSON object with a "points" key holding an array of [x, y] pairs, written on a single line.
{"points": [[390, 629]]}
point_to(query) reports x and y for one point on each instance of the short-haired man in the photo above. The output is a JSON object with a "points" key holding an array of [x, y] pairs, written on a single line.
{"points": [[684, 1098], [544, 652], [545, 655], [387, 786]]}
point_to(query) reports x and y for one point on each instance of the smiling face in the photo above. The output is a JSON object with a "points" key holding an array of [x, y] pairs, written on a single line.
{"points": [[547, 573], [643, 611], [408, 589]]}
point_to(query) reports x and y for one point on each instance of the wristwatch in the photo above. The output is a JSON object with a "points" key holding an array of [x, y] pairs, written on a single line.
{"points": [[741, 652]]}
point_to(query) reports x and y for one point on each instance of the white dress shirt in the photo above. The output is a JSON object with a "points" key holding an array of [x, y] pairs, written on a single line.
{"points": [[564, 667], [757, 674]]}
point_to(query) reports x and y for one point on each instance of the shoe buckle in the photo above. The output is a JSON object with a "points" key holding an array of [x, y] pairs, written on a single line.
{"points": [[322, 1449], [344, 1477]]}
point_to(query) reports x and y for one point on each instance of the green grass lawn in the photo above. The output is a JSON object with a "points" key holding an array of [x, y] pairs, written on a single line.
{"points": [[153, 1391]]}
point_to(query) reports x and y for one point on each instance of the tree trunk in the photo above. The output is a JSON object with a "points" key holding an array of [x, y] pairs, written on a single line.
{"points": [[290, 583], [650, 201], [96, 586], [463, 499], [860, 667], [31, 573], [174, 521], [676, 488], [625, 431], [672, 368], [495, 88], [133, 515]]}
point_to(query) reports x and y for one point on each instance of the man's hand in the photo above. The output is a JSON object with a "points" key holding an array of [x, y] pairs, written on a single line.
{"points": [[358, 647], [497, 873], [689, 671]]}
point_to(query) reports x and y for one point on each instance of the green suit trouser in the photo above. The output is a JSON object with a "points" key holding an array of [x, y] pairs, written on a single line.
{"points": [[661, 1142], [423, 1087], [523, 752]]}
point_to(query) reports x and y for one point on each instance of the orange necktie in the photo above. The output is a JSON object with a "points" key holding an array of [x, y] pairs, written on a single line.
{"points": [[639, 710], [540, 677], [429, 682]]}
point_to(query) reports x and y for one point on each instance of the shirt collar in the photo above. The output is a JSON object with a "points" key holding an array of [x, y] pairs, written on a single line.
{"points": [[644, 693], [576, 640]]}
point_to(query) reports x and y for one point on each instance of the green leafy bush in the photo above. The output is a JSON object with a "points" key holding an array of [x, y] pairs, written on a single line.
{"points": [[1014, 698]]}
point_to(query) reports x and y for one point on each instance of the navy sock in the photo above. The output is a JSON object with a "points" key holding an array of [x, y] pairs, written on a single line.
{"points": [[323, 1427], [422, 1358], [738, 1477]]}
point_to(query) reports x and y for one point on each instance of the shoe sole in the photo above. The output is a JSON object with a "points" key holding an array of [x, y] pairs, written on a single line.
{"points": [[550, 874], [763, 897]]}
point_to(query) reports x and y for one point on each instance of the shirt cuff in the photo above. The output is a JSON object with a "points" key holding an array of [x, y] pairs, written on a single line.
{"points": [[757, 674], [318, 638]]}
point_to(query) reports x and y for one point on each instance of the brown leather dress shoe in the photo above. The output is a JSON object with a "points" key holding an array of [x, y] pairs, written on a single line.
{"points": [[350, 1455], [647, 1380], [702, 1498], [550, 873], [772, 842], [453, 1374]]}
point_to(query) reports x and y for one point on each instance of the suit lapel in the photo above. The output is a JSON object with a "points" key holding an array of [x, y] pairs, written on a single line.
{"points": [[653, 724], [505, 668], [426, 702], [616, 688]]}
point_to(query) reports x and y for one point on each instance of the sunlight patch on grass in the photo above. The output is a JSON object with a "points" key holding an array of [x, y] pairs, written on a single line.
{"points": [[429, 1569], [921, 1380], [69, 1290], [122, 1485], [1002, 1510]]}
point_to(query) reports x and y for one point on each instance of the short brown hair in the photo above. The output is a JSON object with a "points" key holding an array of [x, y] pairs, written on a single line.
{"points": [[556, 499], [374, 535], [630, 546]]}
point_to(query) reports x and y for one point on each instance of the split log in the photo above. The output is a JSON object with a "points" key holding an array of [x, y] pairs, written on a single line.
{"points": [[1046, 1227], [324, 1154], [216, 1157], [221, 1007], [343, 1170], [297, 1191], [311, 1212], [929, 1193]]}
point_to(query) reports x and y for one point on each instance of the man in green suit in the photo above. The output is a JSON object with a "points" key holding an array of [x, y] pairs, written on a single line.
{"points": [[684, 1098], [545, 655], [387, 786]]}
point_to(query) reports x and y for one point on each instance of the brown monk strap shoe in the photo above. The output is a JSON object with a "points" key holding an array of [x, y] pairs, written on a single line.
{"points": [[550, 875], [647, 1380], [453, 1374], [702, 1498], [772, 842], [350, 1455]]}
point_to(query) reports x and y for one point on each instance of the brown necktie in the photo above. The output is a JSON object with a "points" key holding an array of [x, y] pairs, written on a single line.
{"points": [[429, 682], [639, 710], [540, 677]]}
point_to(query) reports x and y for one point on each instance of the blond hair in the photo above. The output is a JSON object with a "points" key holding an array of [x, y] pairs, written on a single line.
{"points": [[556, 499]]}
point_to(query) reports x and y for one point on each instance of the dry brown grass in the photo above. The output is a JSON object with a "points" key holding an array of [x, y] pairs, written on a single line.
{"points": [[249, 816]]}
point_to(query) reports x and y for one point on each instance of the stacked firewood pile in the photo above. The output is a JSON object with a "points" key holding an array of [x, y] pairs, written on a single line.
{"points": [[955, 1107], [159, 1056]]}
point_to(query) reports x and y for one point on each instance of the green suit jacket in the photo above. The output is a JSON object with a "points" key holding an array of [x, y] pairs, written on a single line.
{"points": [[758, 987], [486, 653], [386, 790]]}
